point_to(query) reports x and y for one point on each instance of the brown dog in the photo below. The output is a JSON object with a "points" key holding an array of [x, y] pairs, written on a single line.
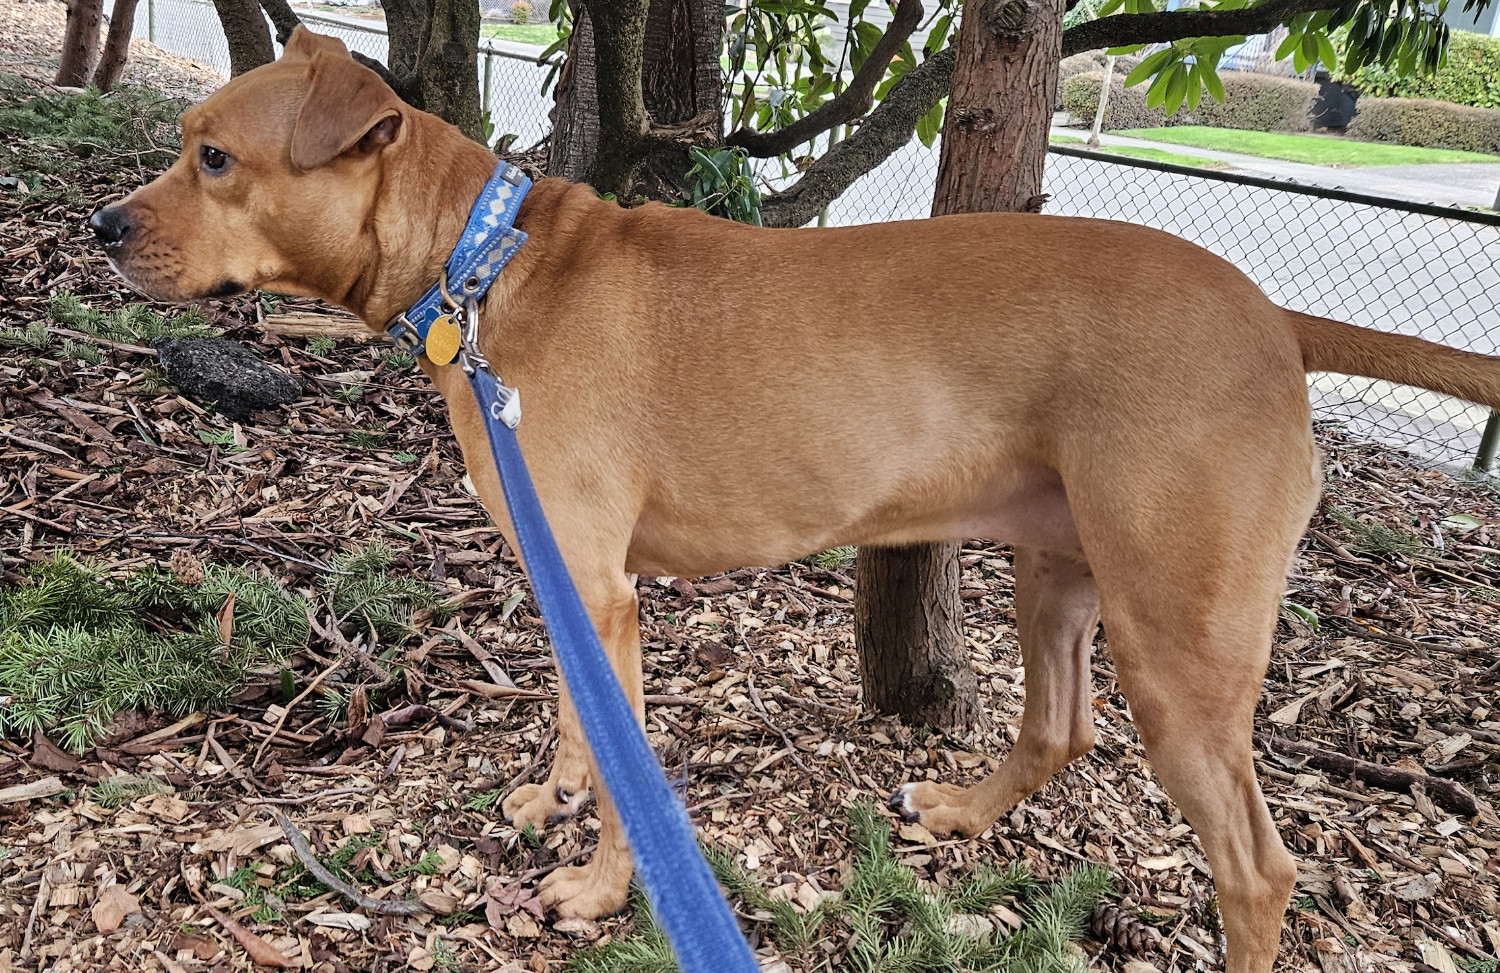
{"points": [[702, 395]]}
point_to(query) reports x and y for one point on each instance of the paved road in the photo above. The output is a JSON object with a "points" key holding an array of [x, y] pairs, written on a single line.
{"points": [[1382, 268]]}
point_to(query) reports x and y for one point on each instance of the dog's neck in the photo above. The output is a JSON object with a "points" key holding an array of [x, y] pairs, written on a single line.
{"points": [[412, 242]]}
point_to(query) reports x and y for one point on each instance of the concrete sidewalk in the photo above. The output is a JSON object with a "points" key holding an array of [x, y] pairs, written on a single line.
{"points": [[1465, 184]]}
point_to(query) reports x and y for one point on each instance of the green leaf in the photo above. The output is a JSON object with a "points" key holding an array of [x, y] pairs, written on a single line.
{"points": [[1177, 87], [1285, 48], [1195, 87], [1213, 84], [1149, 66], [930, 125], [1326, 53]]}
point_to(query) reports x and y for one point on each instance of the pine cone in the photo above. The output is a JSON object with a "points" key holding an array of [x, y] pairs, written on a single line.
{"points": [[187, 568], [1114, 926]]}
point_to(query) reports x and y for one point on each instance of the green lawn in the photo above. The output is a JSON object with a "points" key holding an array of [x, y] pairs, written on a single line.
{"points": [[1154, 155], [543, 34], [1319, 150]]}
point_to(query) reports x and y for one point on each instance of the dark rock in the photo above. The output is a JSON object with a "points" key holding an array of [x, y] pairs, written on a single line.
{"points": [[225, 374]]}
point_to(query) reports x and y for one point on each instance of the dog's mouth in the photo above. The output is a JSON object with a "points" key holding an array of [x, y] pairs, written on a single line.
{"points": [[228, 287], [224, 288]]}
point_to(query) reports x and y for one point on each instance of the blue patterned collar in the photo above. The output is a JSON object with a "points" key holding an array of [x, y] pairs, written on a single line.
{"points": [[489, 240]]}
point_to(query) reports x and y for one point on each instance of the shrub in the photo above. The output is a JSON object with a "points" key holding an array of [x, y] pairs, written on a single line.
{"points": [[1471, 75], [1429, 124], [1087, 62], [520, 12], [1257, 102]]}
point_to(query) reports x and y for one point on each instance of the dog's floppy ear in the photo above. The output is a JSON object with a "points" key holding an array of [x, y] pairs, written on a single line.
{"points": [[303, 44], [347, 105]]}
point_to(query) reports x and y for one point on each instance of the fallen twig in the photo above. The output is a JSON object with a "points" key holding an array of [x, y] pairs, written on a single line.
{"points": [[1449, 795], [385, 907]]}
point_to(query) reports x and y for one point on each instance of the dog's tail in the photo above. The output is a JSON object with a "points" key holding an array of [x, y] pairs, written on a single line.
{"points": [[1333, 346]]}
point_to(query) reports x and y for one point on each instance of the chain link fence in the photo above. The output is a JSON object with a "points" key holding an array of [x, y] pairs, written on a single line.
{"points": [[511, 79], [1385, 264]]}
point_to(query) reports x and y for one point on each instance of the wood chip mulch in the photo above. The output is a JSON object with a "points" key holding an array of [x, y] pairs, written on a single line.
{"points": [[1387, 658]]}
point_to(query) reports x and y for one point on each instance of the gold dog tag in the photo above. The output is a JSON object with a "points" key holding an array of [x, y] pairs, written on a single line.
{"points": [[442, 340]]}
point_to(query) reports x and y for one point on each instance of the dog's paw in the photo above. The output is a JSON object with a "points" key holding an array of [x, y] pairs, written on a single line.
{"points": [[586, 891], [940, 808], [540, 805]]}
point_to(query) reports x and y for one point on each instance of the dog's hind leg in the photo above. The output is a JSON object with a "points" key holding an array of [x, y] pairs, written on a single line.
{"points": [[1057, 614], [1191, 559]]}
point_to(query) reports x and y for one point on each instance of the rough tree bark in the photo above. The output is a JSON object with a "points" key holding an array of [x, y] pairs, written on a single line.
{"points": [[116, 45], [80, 43], [282, 18], [245, 31], [907, 608], [681, 89], [434, 59], [908, 628]]}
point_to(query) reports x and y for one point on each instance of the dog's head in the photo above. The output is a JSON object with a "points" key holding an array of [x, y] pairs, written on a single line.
{"points": [[279, 170]]}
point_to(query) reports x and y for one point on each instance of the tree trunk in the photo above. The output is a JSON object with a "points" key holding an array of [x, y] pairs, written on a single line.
{"points": [[80, 43], [681, 82], [245, 31], [116, 45], [575, 109], [1000, 107], [434, 59], [908, 626], [907, 609]]}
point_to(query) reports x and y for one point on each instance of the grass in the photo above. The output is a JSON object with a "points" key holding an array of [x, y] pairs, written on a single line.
{"points": [[1153, 155], [543, 35], [1318, 150], [887, 920]]}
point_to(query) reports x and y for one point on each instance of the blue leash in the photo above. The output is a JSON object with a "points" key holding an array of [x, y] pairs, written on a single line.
{"points": [[685, 898]]}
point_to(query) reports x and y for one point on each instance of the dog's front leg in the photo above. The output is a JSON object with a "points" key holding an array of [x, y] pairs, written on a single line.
{"points": [[600, 887], [567, 786]]}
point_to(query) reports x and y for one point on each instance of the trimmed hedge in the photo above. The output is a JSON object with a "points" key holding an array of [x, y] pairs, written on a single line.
{"points": [[1257, 102], [1470, 77], [1087, 62], [1429, 124]]}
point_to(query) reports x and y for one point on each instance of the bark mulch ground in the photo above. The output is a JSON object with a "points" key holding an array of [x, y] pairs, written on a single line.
{"points": [[165, 831]]}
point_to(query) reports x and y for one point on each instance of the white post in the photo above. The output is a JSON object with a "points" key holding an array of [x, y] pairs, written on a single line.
{"points": [[1109, 74]]}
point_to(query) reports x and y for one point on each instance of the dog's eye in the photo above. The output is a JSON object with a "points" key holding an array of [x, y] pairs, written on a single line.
{"points": [[213, 160]]}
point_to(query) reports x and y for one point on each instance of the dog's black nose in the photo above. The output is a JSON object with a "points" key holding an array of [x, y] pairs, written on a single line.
{"points": [[110, 225]]}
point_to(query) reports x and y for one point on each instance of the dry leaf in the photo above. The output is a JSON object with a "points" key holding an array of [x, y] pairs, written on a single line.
{"points": [[111, 908], [226, 620], [260, 951], [917, 835], [340, 920], [1163, 862], [1436, 955]]}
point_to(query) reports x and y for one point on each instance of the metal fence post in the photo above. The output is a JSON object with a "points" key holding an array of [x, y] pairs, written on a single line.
{"points": [[151, 21], [484, 93], [1485, 458]]}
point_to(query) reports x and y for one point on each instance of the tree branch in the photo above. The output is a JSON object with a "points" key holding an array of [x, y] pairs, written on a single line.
{"points": [[886, 129], [848, 104], [282, 17], [1119, 30]]}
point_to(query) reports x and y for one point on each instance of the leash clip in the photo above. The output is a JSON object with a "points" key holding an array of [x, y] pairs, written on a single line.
{"points": [[506, 407]]}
